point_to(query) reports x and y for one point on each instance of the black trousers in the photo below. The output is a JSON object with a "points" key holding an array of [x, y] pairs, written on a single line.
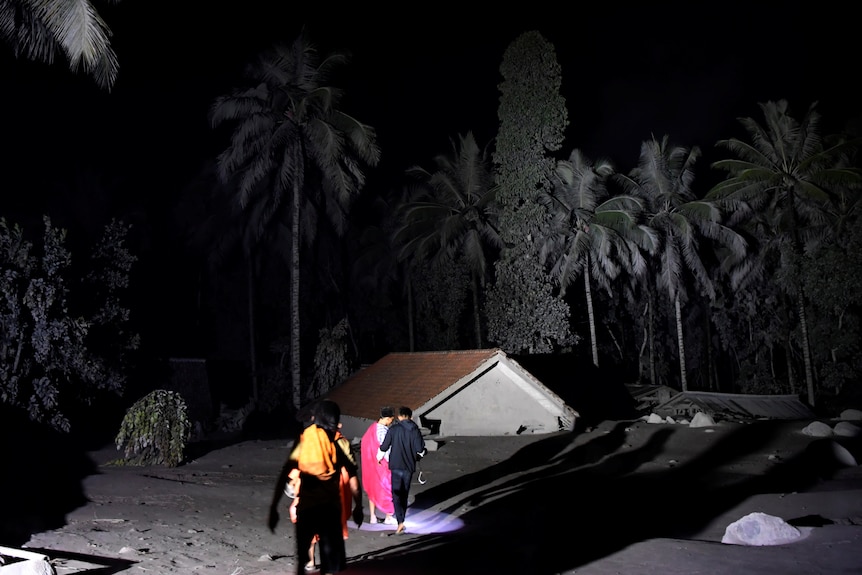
{"points": [[323, 520], [400, 491]]}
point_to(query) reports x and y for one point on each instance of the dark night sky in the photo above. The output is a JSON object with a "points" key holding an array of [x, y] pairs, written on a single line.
{"points": [[421, 75]]}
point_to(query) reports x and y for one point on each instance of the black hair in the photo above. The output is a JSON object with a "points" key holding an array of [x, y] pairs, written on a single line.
{"points": [[405, 411], [387, 412], [327, 415]]}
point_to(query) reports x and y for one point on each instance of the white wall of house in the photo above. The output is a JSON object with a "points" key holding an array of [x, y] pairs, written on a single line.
{"points": [[497, 403]]}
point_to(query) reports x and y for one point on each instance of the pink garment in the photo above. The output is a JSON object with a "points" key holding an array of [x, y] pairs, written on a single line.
{"points": [[376, 478]]}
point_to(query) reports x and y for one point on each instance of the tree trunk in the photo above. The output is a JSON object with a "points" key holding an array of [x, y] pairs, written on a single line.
{"points": [[476, 315], [295, 372], [252, 347], [589, 294], [806, 349], [651, 306], [800, 296], [680, 344], [791, 375], [641, 352], [410, 330], [712, 370]]}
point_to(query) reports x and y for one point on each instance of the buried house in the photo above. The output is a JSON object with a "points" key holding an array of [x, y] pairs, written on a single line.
{"points": [[451, 393]]}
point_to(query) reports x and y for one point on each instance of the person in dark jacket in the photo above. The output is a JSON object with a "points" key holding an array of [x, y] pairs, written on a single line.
{"points": [[406, 446]]}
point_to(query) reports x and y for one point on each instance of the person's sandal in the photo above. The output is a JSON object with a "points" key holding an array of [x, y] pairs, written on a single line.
{"points": [[310, 567]]}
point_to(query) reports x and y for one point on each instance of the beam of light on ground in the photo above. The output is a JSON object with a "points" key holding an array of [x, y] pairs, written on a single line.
{"points": [[419, 522]]}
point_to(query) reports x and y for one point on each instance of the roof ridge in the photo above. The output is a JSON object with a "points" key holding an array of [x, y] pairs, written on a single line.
{"points": [[449, 352]]}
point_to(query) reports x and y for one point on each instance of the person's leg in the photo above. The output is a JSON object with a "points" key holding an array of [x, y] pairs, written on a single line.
{"points": [[310, 565], [373, 517], [305, 535], [333, 555], [400, 492]]}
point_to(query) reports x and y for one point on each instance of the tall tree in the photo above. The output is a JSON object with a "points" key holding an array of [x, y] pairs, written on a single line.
{"points": [[663, 178], [523, 310], [457, 217], [783, 176], [295, 156], [593, 235], [38, 29]]}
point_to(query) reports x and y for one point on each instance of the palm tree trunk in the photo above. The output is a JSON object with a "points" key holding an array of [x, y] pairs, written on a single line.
{"points": [[589, 294], [294, 300], [651, 320], [711, 375], [252, 348], [680, 344], [791, 372], [410, 312], [806, 349], [800, 298], [476, 315]]}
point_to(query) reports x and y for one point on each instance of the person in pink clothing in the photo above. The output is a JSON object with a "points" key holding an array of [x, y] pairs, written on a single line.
{"points": [[377, 479]]}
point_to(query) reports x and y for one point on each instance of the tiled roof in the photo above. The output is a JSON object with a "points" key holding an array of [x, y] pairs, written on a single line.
{"points": [[410, 379]]}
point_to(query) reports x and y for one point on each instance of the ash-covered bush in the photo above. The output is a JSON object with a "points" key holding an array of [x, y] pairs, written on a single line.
{"points": [[155, 430]]}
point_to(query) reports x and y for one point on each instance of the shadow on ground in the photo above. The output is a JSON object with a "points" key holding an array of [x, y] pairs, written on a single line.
{"points": [[564, 506], [42, 477]]}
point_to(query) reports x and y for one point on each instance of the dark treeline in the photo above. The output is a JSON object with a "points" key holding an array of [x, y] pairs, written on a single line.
{"points": [[722, 266]]}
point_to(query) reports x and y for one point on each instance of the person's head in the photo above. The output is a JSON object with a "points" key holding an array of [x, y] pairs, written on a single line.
{"points": [[405, 412], [327, 415], [387, 414]]}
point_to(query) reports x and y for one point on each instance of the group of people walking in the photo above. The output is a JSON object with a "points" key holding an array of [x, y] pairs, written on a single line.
{"points": [[388, 463], [321, 476]]}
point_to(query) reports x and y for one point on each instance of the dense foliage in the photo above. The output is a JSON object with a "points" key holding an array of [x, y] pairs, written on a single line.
{"points": [[155, 430], [64, 338], [524, 311]]}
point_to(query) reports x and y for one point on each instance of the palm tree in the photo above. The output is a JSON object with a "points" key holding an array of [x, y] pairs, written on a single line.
{"points": [[457, 217], [294, 156], [663, 178], [37, 29], [591, 233], [784, 176]]}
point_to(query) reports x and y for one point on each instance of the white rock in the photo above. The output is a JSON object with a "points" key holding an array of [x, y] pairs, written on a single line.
{"points": [[847, 429], [851, 414], [760, 529], [655, 418], [701, 419], [817, 429]]}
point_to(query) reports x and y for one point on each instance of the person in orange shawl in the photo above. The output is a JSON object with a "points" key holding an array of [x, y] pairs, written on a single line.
{"points": [[377, 479], [320, 456], [346, 503]]}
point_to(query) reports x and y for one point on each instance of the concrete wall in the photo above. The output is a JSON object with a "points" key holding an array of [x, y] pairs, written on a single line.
{"points": [[493, 405]]}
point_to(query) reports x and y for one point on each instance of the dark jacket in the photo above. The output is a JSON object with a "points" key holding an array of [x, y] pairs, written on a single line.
{"points": [[404, 440]]}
